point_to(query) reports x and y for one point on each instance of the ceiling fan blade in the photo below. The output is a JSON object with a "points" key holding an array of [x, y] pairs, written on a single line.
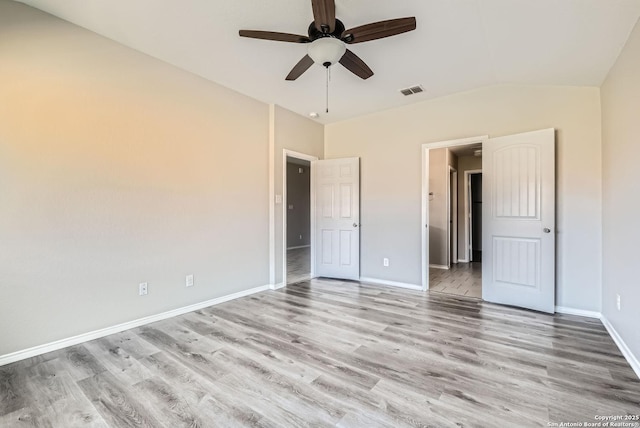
{"points": [[324, 14], [354, 64], [278, 37], [379, 30], [300, 68]]}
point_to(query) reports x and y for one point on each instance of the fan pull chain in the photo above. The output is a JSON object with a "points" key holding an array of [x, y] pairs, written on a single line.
{"points": [[328, 89]]}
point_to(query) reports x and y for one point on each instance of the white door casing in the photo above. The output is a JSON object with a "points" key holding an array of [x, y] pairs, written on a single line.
{"points": [[518, 236], [337, 193]]}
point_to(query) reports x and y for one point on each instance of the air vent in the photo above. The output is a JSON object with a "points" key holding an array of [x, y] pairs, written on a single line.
{"points": [[412, 90]]}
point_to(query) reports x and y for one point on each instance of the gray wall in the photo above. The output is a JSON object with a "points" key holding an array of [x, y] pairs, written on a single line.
{"points": [[389, 146], [621, 204], [439, 174], [438, 177], [465, 163], [116, 169], [297, 133], [298, 205], [452, 161]]}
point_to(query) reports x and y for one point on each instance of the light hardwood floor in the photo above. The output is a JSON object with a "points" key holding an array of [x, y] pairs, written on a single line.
{"points": [[462, 279], [298, 265], [330, 353]]}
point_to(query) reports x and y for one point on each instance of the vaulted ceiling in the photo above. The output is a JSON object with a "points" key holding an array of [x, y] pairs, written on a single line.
{"points": [[458, 45]]}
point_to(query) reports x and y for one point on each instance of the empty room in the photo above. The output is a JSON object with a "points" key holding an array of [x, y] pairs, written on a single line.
{"points": [[341, 213]]}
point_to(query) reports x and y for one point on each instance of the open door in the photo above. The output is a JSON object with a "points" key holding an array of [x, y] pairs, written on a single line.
{"points": [[337, 197], [518, 236]]}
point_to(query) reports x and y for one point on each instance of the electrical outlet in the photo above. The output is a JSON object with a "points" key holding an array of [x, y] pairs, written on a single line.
{"points": [[143, 289], [618, 301], [299, 236], [385, 262], [189, 281]]}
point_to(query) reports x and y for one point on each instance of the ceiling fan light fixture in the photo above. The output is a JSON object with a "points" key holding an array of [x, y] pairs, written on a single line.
{"points": [[326, 51]]}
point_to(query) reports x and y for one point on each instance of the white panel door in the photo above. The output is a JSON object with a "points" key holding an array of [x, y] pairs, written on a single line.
{"points": [[518, 239], [337, 194]]}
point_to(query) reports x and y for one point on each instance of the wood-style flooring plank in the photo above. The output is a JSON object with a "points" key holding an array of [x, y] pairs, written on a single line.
{"points": [[13, 388], [214, 403], [117, 403]]}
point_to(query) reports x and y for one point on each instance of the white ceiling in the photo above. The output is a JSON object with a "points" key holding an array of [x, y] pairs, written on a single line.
{"points": [[459, 45]]}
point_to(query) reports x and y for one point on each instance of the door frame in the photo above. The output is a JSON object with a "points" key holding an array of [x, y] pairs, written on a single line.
{"points": [[286, 153], [467, 213], [425, 195]]}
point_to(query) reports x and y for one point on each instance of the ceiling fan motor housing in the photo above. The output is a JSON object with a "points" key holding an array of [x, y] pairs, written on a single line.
{"points": [[326, 48], [314, 33]]}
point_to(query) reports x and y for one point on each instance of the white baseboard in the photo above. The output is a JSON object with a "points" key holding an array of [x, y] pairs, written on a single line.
{"points": [[439, 267], [580, 312], [391, 283], [631, 359], [463, 260], [301, 246], [96, 334], [276, 286]]}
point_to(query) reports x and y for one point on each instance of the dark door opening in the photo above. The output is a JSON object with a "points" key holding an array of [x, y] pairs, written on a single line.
{"points": [[476, 217], [298, 205]]}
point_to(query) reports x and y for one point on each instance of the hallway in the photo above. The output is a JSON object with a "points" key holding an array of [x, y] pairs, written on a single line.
{"points": [[463, 279], [298, 265]]}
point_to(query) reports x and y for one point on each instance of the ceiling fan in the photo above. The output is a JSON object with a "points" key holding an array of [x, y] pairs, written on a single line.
{"points": [[327, 39]]}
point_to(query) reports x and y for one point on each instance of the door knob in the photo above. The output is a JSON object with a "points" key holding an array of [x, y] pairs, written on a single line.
{"points": [[546, 230], [355, 225]]}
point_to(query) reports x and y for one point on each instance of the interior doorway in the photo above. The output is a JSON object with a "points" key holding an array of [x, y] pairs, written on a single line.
{"points": [[449, 219], [298, 212], [517, 244]]}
